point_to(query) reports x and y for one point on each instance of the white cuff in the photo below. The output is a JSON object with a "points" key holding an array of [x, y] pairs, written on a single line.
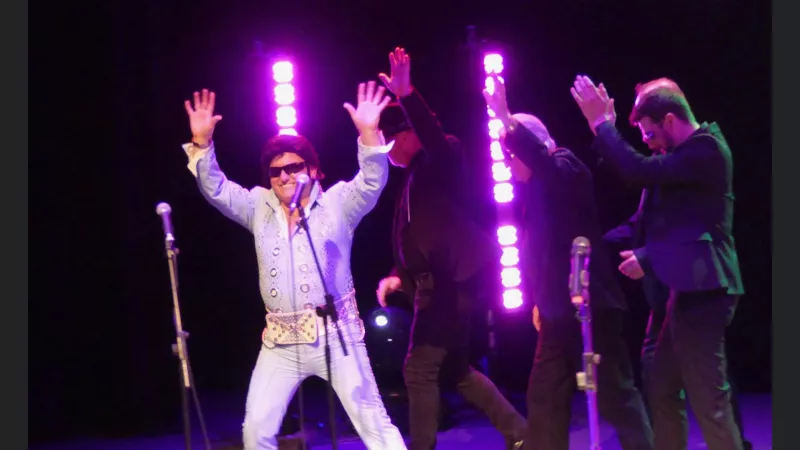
{"points": [[383, 148], [195, 154]]}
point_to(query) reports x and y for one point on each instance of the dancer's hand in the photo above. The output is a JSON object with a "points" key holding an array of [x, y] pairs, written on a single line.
{"points": [[495, 97], [368, 112], [537, 321], [387, 286], [630, 267], [201, 117], [597, 107], [399, 83]]}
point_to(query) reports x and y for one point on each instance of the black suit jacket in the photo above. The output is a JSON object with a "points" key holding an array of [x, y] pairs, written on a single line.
{"points": [[559, 206], [687, 217], [628, 235], [442, 237]]}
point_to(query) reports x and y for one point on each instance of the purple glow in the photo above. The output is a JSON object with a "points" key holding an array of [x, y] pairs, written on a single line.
{"points": [[287, 116], [511, 277], [503, 192], [497, 151], [284, 94], [510, 256], [495, 125], [507, 235], [282, 72], [493, 63], [501, 172], [512, 298], [287, 132]]}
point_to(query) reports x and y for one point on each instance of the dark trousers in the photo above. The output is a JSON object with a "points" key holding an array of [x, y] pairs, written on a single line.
{"points": [[552, 383], [654, 326], [440, 340], [690, 356]]}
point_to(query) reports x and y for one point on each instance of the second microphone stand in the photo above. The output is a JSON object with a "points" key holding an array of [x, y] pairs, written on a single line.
{"points": [[180, 350], [587, 379], [327, 312]]}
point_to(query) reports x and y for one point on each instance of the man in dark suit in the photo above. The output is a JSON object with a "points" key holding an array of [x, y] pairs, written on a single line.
{"points": [[630, 234], [687, 218], [441, 254], [559, 206]]}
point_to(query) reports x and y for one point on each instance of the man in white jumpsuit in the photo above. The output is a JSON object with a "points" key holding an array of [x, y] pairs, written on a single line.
{"points": [[293, 339]]}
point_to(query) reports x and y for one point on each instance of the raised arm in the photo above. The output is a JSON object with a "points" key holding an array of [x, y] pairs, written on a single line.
{"points": [[694, 162], [229, 198], [361, 194], [426, 126], [690, 164], [234, 201], [526, 146], [523, 143]]}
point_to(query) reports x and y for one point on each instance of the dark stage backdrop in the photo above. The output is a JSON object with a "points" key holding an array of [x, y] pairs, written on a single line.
{"points": [[108, 81]]}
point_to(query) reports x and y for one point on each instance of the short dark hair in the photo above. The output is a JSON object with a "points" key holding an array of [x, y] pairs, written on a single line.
{"points": [[393, 120], [657, 98], [286, 143]]}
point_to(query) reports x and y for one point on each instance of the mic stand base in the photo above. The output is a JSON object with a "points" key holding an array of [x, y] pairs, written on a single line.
{"points": [[179, 349]]}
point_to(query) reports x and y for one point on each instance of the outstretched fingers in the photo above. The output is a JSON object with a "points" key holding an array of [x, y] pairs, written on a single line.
{"points": [[370, 91], [361, 92]]}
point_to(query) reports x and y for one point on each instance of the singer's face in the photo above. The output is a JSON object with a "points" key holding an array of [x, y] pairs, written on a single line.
{"points": [[406, 146], [283, 171]]}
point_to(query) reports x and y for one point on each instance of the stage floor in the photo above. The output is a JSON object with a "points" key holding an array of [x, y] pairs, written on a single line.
{"points": [[470, 431]]}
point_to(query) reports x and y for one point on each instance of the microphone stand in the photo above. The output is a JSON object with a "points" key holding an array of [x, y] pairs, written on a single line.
{"points": [[180, 350], [326, 312], [586, 379]]}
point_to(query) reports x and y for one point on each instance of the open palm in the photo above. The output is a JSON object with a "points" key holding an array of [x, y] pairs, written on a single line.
{"points": [[370, 104], [201, 115], [399, 83]]}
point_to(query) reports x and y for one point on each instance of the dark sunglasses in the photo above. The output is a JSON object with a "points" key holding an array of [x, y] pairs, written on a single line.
{"points": [[290, 169]]}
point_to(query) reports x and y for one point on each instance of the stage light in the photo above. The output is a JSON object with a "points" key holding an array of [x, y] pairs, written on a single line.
{"points": [[503, 192], [512, 298], [497, 151], [510, 257], [285, 112], [381, 320], [510, 275], [283, 72], [501, 172]]}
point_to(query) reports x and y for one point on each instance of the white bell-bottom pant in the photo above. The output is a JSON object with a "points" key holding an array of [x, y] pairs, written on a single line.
{"points": [[278, 374]]}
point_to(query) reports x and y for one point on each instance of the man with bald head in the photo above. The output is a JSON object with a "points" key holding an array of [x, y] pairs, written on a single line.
{"points": [[560, 206]]}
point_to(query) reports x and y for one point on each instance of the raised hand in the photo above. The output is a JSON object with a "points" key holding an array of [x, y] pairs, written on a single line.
{"points": [[399, 83], [368, 111], [495, 96], [594, 102], [201, 118]]}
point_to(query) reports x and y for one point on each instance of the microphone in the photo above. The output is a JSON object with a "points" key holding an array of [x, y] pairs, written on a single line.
{"points": [[164, 210], [579, 272], [300, 182]]}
